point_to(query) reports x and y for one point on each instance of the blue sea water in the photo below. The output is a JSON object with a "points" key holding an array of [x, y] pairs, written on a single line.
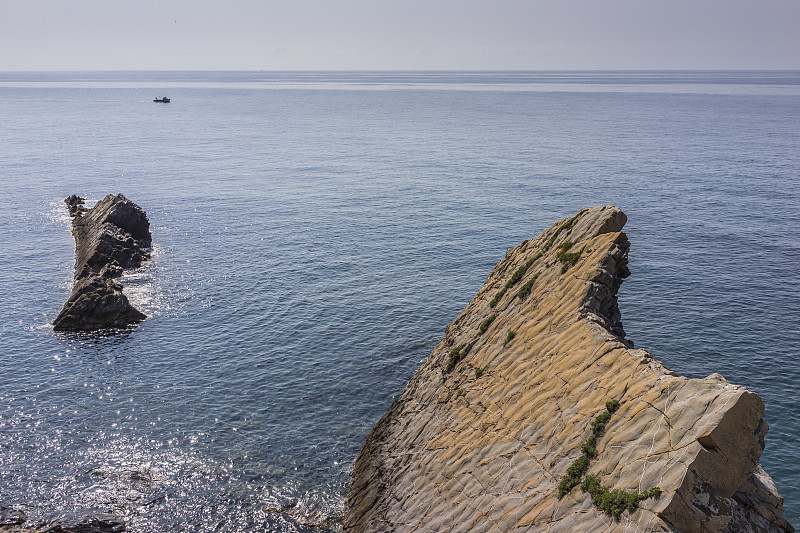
{"points": [[314, 233]]}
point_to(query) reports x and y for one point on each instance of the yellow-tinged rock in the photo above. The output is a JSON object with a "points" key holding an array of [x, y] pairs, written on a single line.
{"points": [[461, 452]]}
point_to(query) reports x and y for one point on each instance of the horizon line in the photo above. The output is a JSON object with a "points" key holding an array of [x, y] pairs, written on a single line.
{"points": [[414, 70]]}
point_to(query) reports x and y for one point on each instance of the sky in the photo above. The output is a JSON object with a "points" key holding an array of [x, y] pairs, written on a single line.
{"points": [[399, 34]]}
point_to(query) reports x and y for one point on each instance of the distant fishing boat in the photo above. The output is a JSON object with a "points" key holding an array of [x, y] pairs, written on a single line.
{"points": [[164, 100]]}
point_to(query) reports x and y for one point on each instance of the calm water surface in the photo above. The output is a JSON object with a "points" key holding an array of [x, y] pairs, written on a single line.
{"points": [[314, 233]]}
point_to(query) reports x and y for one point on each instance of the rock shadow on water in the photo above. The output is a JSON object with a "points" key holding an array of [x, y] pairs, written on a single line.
{"points": [[107, 337]]}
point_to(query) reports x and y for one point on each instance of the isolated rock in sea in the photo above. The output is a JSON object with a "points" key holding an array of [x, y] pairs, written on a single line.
{"points": [[499, 419], [112, 236]]}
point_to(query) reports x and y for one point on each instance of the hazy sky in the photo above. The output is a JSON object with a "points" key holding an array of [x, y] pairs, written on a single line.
{"points": [[398, 34]]}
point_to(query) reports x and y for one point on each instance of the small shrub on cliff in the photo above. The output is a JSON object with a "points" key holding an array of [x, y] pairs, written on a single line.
{"points": [[550, 243], [566, 484], [515, 278], [509, 337], [478, 372], [567, 259], [613, 503], [654, 492], [486, 323], [589, 448], [610, 502], [578, 467], [612, 406], [497, 297], [525, 290], [573, 476], [588, 451], [567, 225], [600, 421], [520, 272], [454, 357]]}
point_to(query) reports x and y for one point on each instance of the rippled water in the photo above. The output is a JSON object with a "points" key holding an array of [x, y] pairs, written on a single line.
{"points": [[315, 232]]}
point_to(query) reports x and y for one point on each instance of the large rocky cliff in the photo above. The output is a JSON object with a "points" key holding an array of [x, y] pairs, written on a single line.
{"points": [[486, 431]]}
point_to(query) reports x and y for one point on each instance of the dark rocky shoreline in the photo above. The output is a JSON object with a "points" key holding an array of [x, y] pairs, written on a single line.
{"points": [[111, 237], [15, 521]]}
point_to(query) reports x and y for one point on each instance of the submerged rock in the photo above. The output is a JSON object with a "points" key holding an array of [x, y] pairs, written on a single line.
{"points": [[112, 236], [498, 429]]}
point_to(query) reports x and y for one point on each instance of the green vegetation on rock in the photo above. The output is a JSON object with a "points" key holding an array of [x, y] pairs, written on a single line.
{"points": [[456, 355], [567, 225], [589, 448], [486, 323], [610, 502], [515, 278], [497, 297], [567, 259], [613, 503], [509, 337], [550, 242], [525, 290]]}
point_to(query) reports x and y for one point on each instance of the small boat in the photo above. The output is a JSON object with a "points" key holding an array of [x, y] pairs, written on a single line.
{"points": [[164, 100]]}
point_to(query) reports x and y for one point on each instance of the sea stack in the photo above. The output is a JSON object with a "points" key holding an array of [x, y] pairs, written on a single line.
{"points": [[534, 413], [112, 236]]}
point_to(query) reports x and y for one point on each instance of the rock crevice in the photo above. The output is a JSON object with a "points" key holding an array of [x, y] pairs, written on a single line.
{"points": [[461, 450]]}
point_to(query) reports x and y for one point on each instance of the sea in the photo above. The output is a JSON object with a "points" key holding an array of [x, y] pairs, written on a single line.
{"points": [[315, 232]]}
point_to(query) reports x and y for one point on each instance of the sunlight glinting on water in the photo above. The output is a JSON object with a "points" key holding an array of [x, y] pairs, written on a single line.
{"points": [[314, 234]]}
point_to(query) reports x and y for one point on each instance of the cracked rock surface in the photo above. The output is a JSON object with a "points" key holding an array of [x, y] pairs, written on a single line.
{"points": [[485, 451], [112, 236]]}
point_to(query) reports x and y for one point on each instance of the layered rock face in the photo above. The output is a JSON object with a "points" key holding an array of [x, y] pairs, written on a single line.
{"points": [[112, 236], [486, 430]]}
